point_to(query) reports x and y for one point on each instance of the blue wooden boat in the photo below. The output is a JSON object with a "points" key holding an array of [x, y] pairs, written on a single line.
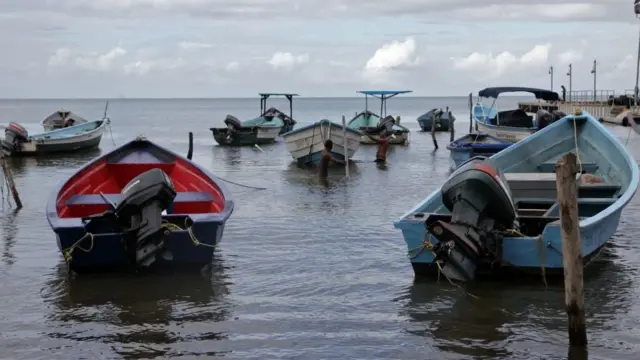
{"points": [[307, 143], [87, 135], [512, 125], [516, 225], [264, 129], [139, 207], [442, 122], [470, 145], [371, 124]]}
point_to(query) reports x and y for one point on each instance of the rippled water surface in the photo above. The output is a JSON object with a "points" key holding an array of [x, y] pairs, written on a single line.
{"points": [[306, 270]]}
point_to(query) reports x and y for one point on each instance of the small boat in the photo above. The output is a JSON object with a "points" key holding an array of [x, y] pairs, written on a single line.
{"points": [[471, 145], [264, 129], [442, 122], [83, 136], [631, 118], [139, 207], [306, 144], [370, 124], [61, 119], [512, 125], [501, 214]]}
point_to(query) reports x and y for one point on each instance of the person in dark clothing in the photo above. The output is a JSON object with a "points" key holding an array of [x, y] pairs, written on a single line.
{"points": [[383, 147], [327, 158]]}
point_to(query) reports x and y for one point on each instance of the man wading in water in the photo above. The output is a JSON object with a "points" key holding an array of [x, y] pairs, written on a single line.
{"points": [[327, 158]]}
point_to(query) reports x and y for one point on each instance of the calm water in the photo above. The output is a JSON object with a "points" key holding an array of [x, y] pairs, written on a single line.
{"points": [[305, 271]]}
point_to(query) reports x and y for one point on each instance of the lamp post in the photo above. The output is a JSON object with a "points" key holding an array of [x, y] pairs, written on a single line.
{"points": [[593, 71], [551, 73], [570, 74], [636, 10]]}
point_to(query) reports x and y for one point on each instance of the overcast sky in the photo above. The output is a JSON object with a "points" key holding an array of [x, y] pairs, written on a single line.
{"points": [[236, 48]]}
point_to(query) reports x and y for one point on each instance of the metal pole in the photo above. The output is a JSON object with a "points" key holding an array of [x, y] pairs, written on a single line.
{"points": [[635, 90], [593, 71], [569, 74], [551, 73]]}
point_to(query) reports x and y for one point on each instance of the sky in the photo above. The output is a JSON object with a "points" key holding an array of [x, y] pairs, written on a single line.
{"points": [[237, 48]]}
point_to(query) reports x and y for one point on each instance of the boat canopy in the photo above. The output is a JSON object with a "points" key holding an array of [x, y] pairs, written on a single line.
{"points": [[494, 92], [265, 96], [385, 94]]}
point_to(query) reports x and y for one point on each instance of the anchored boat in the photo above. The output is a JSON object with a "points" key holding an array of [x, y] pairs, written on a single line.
{"points": [[306, 144], [61, 119], [371, 124], [139, 207], [501, 214], [474, 144], [264, 129], [513, 125], [442, 119]]}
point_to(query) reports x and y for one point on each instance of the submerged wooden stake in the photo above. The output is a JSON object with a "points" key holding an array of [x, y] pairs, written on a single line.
{"points": [[470, 113], [190, 151], [452, 130], [12, 186], [433, 131], [566, 170], [346, 149]]}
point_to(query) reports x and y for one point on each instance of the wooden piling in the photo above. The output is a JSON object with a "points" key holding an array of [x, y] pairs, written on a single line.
{"points": [[190, 151], [12, 185], [470, 113], [452, 130], [346, 146], [433, 131], [566, 170]]}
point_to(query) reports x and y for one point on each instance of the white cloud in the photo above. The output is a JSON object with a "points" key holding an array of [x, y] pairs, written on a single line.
{"points": [[145, 67], [548, 11], [492, 66], [389, 57], [189, 45], [100, 62], [232, 66], [287, 61], [61, 57], [570, 56]]}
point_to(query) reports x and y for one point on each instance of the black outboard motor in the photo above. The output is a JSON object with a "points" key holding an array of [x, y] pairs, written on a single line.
{"points": [[232, 122], [557, 115], [384, 128], [479, 198], [543, 118], [140, 213], [14, 136]]}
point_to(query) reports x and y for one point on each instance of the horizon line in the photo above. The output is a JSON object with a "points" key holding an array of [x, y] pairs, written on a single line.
{"points": [[225, 98]]}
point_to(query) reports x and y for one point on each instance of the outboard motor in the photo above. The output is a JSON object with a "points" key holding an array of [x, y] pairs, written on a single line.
{"points": [[479, 198], [543, 118], [14, 136], [557, 115], [140, 214], [232, 122]]}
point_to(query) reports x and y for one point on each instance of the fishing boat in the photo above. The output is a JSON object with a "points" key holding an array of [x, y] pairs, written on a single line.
{"points": [[370, 124], [264, 129], [139, 207], [474, 144], [511, 125], [61, 119], [442, 121], [306, 144], [18, 142], [500, 215]]}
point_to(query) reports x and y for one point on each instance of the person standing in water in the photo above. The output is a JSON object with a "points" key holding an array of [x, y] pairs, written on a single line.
{"points": [[383, 147], [327, 158]]}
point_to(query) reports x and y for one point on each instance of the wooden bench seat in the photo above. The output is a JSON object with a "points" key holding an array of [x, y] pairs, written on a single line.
{"points": [[550, 167]]}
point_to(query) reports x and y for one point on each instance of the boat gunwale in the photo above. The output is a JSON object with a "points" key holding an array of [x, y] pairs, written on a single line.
{"points": [[320, 122], [40, 136]]}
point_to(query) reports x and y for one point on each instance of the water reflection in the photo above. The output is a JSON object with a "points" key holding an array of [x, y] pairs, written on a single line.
{"points": [[309, 177], [485, 324], [9, 231], [71, 160], [140, 316]]}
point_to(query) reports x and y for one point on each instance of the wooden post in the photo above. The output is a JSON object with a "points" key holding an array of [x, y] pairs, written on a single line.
{"points": [[470, 113], [452, 130], [433, 131], [346, 148], [12, 186], [566, 170], [190, 151]]}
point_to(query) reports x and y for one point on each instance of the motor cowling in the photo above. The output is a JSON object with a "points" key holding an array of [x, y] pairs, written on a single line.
{"points": [[14, 135], [479, 198], [557, 115], [232, 122], [543, 118], [144, 199]]}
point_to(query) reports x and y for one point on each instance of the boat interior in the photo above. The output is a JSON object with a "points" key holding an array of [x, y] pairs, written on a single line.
{"points": [[69, 131], [367, 120], [530, 172], [96, 188]]}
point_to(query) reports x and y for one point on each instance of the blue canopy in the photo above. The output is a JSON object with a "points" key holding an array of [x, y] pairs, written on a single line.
{"points": [[384, 92], [494, 92]]}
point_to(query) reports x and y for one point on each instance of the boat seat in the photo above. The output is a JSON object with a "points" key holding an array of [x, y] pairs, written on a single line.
{"points": [[184, 202], [589, 205], [550, 167]]}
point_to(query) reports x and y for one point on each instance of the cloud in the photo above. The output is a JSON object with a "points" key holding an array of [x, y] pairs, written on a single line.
{"points": [[287, 61], [93, 61], [191, 45], [232, 66], [145, 67], [389, 57], [570, 56], [486, 64]]}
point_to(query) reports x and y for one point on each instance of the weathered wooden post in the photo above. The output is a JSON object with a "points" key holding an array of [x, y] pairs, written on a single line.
{"points": [[190, 151], [433, 130], [566, 170], [452, 130], [12, 185], [470, 113], [346, 146]]}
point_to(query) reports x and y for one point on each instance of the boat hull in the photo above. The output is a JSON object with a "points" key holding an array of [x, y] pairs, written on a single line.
{"points": [[476, 144], [307, 143], [245, 137], [400, 138], [504, 132], [528, 167], [442, 125], [194, 222], [56, 142]]}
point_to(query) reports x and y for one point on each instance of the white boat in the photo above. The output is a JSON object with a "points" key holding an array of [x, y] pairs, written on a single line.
{"points": [[306, 143], [511, 125], [60, 119]]}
